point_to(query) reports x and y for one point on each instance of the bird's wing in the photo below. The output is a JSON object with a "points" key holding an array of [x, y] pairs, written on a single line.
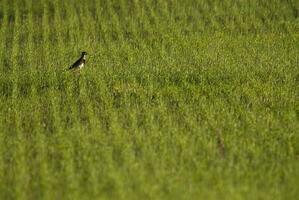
{"points": [[76, 64]]}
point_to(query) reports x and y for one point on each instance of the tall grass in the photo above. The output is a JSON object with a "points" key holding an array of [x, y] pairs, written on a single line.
{"points": [[178, 100]]}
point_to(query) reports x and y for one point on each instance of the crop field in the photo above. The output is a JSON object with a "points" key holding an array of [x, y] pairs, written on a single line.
{"points": [[179, 99]]}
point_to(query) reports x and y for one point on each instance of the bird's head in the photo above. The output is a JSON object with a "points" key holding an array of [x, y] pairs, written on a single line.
{"points": [[84, 54]]}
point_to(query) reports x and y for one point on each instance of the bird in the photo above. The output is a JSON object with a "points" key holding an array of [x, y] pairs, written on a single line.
{"points": [[79, 64]]}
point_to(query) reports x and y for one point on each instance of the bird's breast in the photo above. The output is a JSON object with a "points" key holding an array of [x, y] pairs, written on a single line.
{"points": [[81, 65]]}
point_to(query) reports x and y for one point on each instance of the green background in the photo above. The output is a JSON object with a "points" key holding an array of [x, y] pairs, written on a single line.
{"points": [[179, 99]]}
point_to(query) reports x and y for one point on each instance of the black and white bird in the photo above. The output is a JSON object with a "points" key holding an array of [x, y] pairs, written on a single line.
{"points": [[79, 64]]}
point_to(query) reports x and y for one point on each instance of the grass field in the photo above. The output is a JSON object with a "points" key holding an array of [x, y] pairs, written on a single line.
{"points": [[180, 99]]}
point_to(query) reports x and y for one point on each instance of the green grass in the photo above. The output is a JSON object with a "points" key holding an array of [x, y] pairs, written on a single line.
{"points": [[180, 99]]}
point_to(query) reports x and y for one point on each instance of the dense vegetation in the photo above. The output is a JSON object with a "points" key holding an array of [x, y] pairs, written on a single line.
{"points": [[180, 99]]}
